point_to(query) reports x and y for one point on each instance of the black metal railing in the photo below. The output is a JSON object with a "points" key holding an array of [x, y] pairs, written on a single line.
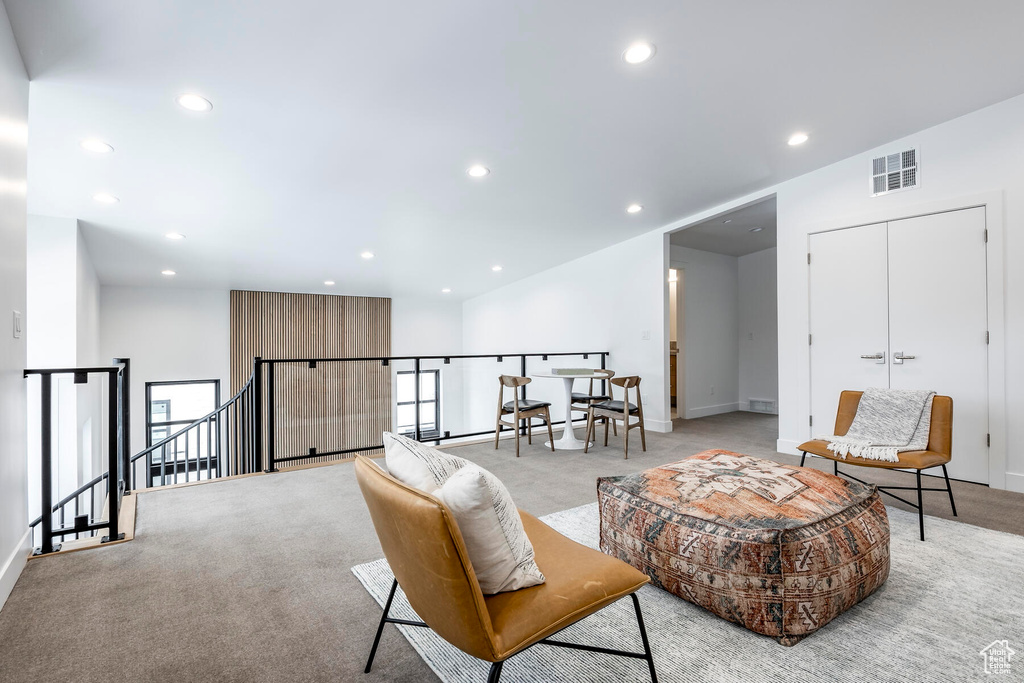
{"points": [[265, 427], [219, 444], [86, 502], [236, 438]]}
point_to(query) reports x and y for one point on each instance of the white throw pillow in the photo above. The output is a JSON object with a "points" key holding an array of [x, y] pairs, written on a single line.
{"points": [[498, 546], [418, 465]]}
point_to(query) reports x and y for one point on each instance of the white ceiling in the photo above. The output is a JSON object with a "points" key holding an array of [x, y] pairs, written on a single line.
{"points": [[343, 126], [730, 233]]}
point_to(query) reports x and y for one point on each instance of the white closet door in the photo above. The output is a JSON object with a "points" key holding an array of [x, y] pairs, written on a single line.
{"points": [[849, 317], [938, 315]]}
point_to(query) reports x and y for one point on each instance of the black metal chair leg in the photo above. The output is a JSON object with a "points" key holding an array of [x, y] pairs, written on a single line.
{"points": [[495, 672], [802, 458], [643, 636], [380, 628], [949, 489], [835, 467], [920, 504]]}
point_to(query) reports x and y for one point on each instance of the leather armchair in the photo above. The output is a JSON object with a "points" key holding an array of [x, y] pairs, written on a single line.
{"points": [[939, 452], [425, 549]]}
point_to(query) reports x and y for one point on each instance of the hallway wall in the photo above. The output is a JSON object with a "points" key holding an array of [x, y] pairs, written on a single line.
{"points": [[13, 174]]}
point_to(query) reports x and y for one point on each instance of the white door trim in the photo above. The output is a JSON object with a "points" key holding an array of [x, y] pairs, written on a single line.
{"points": [[995, 223]]}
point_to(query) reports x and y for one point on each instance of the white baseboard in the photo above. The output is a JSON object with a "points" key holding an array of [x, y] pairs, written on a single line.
{"points": [[1015, 482], [705, 411], [13, 566], [788, 446], [663, 426]]}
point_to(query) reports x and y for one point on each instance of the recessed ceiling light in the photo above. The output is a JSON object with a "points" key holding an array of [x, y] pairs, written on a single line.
{"points": [[639, 52], [797, 139], [167, 272], [496, 269], [98, 146], [756, 229], [446, 290], [194, 102], [104, 198], [174, 236], [367, 255], [478, 171], [329, 283], [634, 208], [727, 220]]}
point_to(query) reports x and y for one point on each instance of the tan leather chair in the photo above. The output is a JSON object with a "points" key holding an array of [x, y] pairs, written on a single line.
{"points": [[612, 410], [425, 549], [520, 409], [940, 450]]}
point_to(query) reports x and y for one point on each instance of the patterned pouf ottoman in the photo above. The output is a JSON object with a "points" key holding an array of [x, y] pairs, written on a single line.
{"points": [[781, 550]]}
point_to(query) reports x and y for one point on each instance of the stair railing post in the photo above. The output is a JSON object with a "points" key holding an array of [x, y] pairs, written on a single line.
{"points": [[522, 373], [257, 421], [271, 434], [416, 402], [126, 426], [113, 487], [46, 465]]}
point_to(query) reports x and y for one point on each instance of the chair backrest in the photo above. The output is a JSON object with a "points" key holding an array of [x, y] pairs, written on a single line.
{"points": [[628, 382], [424, 547], [607, 374], [940, 436], [513, 383]]}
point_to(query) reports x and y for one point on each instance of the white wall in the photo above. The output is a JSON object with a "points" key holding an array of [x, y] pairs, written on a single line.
{"points": [[425, 326], [557, 310], [960, 160], [174, 334], [429, 327], [710, 347], [91, 412], [13, 355], [52, 281], [169, 334], [63, 328], [758, 327]]}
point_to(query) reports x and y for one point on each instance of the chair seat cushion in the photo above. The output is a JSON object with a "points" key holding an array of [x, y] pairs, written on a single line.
{"points": [[586, 398], [614, 406], [498, 547], [524, 405], [580, 581], [912, 460]]}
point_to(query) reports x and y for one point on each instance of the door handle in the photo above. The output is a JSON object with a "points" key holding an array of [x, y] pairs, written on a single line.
{"points": [[879, 358], [898, 357]]}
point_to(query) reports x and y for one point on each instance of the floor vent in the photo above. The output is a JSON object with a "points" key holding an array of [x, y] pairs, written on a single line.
{"points": [[894, 172], [762, 405]]}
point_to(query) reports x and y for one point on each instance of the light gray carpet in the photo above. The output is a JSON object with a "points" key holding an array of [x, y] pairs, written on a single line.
{"points": [[248, 580], [945, 600]]}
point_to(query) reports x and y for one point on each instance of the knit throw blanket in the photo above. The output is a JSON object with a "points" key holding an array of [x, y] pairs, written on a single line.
{"points": [[888, 422]]}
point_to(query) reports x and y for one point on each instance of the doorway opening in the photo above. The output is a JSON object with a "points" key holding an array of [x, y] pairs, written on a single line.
{"points": [[723, 314]]}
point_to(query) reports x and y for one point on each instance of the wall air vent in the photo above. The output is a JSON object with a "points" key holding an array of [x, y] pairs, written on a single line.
{"points": [[761, 405], [893, 172]]}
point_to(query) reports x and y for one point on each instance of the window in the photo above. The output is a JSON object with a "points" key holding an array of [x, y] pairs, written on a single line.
{"points": [[429, 403], [171, 406]]}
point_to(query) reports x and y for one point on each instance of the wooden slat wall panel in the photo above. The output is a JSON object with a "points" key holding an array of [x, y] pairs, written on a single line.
{"points": [[336, 405]]}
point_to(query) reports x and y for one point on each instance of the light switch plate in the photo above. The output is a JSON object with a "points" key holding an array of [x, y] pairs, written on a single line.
{"points": [[645, 335], [17, 325]]}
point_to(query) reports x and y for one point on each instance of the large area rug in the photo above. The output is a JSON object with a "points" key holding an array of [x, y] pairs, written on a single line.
{"points": [[945, 601]]}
